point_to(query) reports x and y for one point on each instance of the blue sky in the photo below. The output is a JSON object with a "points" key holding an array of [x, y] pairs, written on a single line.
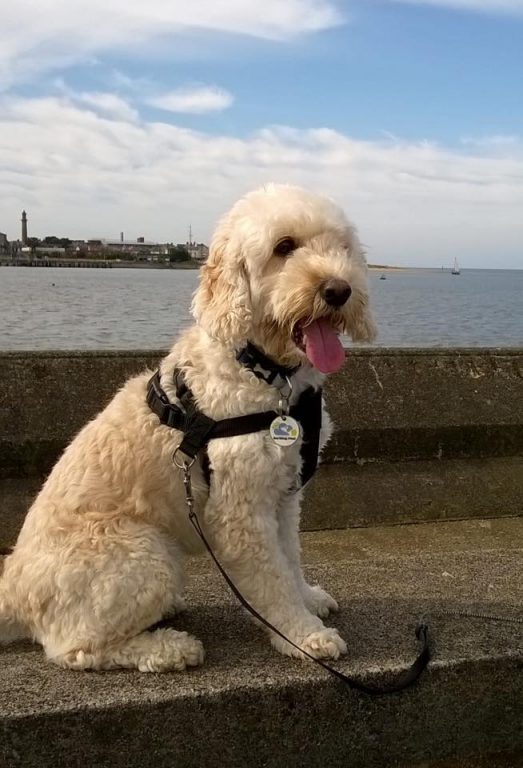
{"points": [[409, 113], [415, 71]]}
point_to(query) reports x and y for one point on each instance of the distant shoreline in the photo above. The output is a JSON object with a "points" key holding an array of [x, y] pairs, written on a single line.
{"points": [[192, 265], [98, 264], [113, 264], [378, 268]]}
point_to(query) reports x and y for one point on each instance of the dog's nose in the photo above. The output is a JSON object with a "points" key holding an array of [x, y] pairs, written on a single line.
{"points": [[335, 292]]}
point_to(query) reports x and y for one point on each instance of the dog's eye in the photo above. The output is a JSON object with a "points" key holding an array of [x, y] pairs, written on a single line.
{"points": [[285, 246]]}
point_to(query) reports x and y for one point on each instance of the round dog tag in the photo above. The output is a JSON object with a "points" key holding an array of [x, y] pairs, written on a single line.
{"points": [[284, 430]]}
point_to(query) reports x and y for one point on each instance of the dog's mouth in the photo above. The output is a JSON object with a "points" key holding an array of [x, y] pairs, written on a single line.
{"points": [[319, 341]]}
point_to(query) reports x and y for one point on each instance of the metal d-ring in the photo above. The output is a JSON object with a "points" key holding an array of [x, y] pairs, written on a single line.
{"points": [[284, 402], [186, 463], [289, 384]]}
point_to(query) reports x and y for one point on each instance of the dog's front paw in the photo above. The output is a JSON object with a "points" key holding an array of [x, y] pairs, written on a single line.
{"points": [[325, 643], [319, 602]]}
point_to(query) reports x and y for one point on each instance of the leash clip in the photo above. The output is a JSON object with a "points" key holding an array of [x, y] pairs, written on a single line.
{"points": [[185, 465]]}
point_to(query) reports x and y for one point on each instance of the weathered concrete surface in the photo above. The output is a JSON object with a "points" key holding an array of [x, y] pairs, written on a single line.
{"points": [[16, 496], [344, 495], [401, 404], [250, 706], [421, 434], [45, 398], [477, 761], [350, 495]]}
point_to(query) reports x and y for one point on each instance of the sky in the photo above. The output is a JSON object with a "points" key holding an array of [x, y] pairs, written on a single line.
{"points": [[150, 117]]}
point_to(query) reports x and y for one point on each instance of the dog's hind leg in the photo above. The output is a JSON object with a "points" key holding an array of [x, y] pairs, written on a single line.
{"points": [[161, 650], [105, 597]]}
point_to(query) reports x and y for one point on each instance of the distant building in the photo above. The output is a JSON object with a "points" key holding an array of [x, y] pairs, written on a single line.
{"points": [[197, 251], [127, 250], [140, 248], [24, 228], [49, 250], [79, 247]]}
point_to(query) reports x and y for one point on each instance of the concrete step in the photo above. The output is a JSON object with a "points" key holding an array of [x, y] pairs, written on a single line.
{"points": [[389, 492], [249, 706], [514, 760], [386, 404], [371, 493]]}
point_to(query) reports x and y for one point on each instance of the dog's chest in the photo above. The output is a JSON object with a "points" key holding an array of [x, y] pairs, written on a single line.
{"points": [[286, 463]]}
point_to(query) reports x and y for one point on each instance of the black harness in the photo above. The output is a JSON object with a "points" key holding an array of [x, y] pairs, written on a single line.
{"points": [[198, 429]]}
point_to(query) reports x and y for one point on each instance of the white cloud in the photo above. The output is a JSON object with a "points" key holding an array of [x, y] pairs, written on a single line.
{"points": [[109, 104], [195, 100], [39, 35], [481, 6], [82, 174], [497, 140]]}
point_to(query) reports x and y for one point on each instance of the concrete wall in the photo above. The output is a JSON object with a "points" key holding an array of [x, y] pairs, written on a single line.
{"points": [[420, 433], [411, 404]]}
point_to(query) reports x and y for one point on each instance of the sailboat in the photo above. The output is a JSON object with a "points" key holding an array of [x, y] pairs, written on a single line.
{"points": [[456, 270]]}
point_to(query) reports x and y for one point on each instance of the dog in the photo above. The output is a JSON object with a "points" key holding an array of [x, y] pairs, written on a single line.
{"points": [[99, 559]]}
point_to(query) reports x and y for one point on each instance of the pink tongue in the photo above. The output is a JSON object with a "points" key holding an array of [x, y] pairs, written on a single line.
{"points": [[323, 347]]}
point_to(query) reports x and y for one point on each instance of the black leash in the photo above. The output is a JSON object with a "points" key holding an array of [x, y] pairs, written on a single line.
{"points": [[405, 680]]}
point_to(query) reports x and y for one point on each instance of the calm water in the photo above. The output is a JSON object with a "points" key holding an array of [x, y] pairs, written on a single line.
{"points": [[140, 308]]}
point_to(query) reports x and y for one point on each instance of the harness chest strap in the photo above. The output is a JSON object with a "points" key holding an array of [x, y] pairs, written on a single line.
{"points": [[198, 429]]}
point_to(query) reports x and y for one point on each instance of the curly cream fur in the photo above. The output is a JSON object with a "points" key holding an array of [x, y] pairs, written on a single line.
{"points": [[100, 556]]}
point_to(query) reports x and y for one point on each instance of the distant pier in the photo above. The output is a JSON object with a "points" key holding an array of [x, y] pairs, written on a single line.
{"points": [[80, 263]]}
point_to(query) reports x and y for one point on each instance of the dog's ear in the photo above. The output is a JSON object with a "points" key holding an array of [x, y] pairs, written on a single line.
{"points": [[362, 325], [365, 328], [221, 304]]}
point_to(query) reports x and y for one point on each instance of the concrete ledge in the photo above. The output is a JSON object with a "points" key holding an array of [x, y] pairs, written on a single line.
{"points": [[421, 434], [387, 493], [475, 761], [16, 496], [387, 404], [45, 398], [351, 495], [250, 706]]}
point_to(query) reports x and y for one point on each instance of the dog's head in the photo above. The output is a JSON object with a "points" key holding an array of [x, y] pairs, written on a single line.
{"points": [[287, 272]]}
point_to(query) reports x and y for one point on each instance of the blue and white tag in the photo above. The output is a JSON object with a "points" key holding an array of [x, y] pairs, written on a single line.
{"points": [[284, 431]]}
